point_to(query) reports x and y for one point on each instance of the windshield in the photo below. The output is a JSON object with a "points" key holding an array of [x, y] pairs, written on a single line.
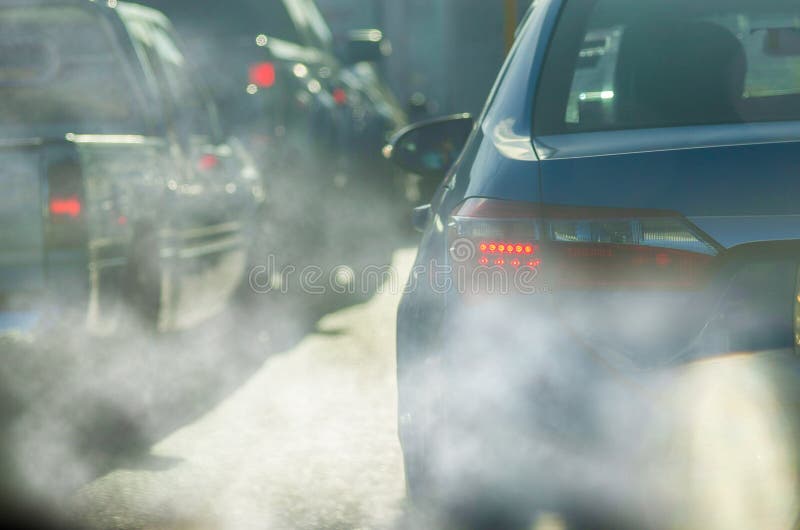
{"points": [[631, 64], [59, 67]]}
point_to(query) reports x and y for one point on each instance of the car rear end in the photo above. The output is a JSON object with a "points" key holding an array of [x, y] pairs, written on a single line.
{"points": [[44, 262], [61, 78], [677, 181], [644, 218]]}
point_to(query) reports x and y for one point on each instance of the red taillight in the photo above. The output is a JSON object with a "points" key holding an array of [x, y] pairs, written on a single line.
{"points": [[502, 253], [506, 248], [340, 96], [571, 247], [67, 226], [262, 75], [65, 206], [604, 265], [207, 162]]}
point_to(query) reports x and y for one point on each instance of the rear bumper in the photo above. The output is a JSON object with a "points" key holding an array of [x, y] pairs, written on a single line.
{"points": [[532, 425], [518, 388], [16, 277], [35, 295]]}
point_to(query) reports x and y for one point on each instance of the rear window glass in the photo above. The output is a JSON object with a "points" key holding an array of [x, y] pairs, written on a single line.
{"points": [[632, 64], [59, 66]]}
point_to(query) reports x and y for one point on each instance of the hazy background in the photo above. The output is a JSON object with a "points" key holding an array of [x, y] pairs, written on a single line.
{"points": [[448, 50]]}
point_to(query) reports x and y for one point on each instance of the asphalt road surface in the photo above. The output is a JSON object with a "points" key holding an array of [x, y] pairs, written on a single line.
{"points": [[309, 441], [277, 419]]}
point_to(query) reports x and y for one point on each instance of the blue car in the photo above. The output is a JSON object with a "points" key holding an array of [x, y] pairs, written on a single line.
{"points": [[626, 203]]}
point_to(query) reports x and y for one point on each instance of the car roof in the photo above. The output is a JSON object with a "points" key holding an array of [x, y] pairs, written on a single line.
{"points": [[125, 10]]}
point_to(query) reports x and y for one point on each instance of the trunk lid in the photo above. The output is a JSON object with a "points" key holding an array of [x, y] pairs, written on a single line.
{"points": [[737, 184]]}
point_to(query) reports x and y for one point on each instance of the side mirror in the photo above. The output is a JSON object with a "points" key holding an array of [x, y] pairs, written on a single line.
{"points": [[367, 45], [430, 148]]}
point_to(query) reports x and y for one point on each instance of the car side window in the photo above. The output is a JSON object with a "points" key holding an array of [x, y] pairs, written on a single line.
{"points": [[318, 30], [140, 37], [193, 112]]}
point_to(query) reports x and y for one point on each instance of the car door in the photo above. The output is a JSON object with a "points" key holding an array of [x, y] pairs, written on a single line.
{"points": [[214, 201]]}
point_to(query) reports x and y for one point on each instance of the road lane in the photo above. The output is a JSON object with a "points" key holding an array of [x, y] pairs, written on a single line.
{"points": [[309, 441]]}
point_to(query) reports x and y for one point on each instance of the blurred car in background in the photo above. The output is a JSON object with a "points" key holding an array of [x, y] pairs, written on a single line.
{"points": [[314, 113], [120, 191], [302, 105], [626, 204], [375, 109]]}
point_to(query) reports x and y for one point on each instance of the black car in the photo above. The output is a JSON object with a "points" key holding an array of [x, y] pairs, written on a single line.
{"points": [[119, 188]]}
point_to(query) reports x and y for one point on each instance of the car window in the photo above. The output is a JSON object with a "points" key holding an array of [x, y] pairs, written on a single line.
{"points": [[193, 111], [319, 33], [141, 39], [230, 17], [62, 67], [611, 66]]}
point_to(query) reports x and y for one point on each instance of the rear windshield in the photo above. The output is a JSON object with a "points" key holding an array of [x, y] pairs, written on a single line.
{"points": [[633, 64], [59, 67]]}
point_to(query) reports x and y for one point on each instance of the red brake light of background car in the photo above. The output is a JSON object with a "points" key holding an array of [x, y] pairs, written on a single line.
{"points": [[340, 96], [65, 206], [262, 75], [207, 162]]}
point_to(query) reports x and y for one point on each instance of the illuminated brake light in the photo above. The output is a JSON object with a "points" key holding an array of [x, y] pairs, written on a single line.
{"points": [[262, 75], [207, 162], [65, 206], [591, 247], [340, 96], [517, 250]]}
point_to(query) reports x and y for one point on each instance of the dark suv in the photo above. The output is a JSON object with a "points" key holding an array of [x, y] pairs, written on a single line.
{"points": [[118, 185]]}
